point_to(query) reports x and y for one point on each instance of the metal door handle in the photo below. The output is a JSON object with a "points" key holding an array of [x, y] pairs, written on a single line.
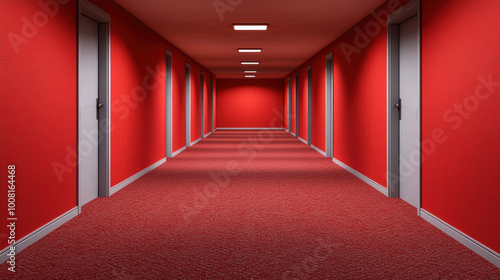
{"points": [[398, 106], [98, 106]]}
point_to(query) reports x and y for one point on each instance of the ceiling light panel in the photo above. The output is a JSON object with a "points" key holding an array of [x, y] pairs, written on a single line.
{"points": [[249, 50], [254, 27]]}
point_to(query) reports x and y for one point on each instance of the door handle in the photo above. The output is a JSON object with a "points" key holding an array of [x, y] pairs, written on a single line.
{"points": [[98, 106], [398, 107]]}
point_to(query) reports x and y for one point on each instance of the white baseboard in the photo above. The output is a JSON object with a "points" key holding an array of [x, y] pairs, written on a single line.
{"points": [[250, 128], [463, 238], [303, 140], [318, 150], [208, 134], [287, 130], [38, 234], [195, 141], [362, 177], [294, 134], [178, 151], [138, 175]]}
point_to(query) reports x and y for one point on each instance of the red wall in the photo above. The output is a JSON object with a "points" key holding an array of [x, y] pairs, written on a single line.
{"points": [[360, 94], [138, 121], [460, 82], [142, 121], [39, 104], [360, 110], [38, 118], [249, 103], [461, 176]]}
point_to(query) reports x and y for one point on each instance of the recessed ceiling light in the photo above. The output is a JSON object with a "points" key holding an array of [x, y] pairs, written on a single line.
{"points": [[250, 50], [250, 26], [250, 62], [249, 76], [250, 71]]}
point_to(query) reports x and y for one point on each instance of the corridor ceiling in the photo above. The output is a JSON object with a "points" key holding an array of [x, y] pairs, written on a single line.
{"points": [[298, 29]]}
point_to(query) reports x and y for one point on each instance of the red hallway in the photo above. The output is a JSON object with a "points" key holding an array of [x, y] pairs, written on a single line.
{"points": [[325, 140]]}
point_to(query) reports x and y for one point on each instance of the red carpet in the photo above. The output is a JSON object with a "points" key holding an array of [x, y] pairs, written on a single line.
{"points": [[279, 210]]}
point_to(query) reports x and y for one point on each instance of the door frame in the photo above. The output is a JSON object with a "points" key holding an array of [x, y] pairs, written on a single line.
{"points": [[103, 19], [297, 105], [289, 105], [413, 8], [188, 104], [168, 105], [309, 104], [329, 105], [211, 104], [202, 106]]}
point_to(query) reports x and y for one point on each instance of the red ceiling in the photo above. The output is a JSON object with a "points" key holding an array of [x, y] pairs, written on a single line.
{"points": [[297, 29]]}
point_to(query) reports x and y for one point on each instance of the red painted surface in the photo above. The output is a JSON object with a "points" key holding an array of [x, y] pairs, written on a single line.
{"points": [[359, 96], [360, 110], [41, 78], [141, 120], [250, 103], [303, 28], [137, 110], [38, 99], [461, 171]]}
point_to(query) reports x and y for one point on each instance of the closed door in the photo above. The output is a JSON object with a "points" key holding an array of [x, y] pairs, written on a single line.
{"points": [[309, 105], [88, 87], [410, 113]]}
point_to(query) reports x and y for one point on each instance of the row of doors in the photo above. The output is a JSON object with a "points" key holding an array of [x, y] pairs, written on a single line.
{"points": [[403, 107], [403, 103], [93, 104]]}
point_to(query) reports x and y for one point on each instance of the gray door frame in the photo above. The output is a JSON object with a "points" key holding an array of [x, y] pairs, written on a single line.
{"points": [[309, 105], [95, 13], [211, 104], [202, 106], [289, 117], [329, 105], [393, 127], [297, 105], [188, 104], [168, 104]]}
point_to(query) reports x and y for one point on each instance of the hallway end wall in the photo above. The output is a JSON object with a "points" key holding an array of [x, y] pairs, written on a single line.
{"points": [[249, 103]]}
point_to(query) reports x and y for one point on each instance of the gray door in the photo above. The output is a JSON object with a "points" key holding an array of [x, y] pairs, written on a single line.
{"points": [[309, 105], [88, 87], [297, 105], [410, 113]]}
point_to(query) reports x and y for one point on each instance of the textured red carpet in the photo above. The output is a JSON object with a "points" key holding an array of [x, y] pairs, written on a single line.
{"points": [[240, 205]]}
